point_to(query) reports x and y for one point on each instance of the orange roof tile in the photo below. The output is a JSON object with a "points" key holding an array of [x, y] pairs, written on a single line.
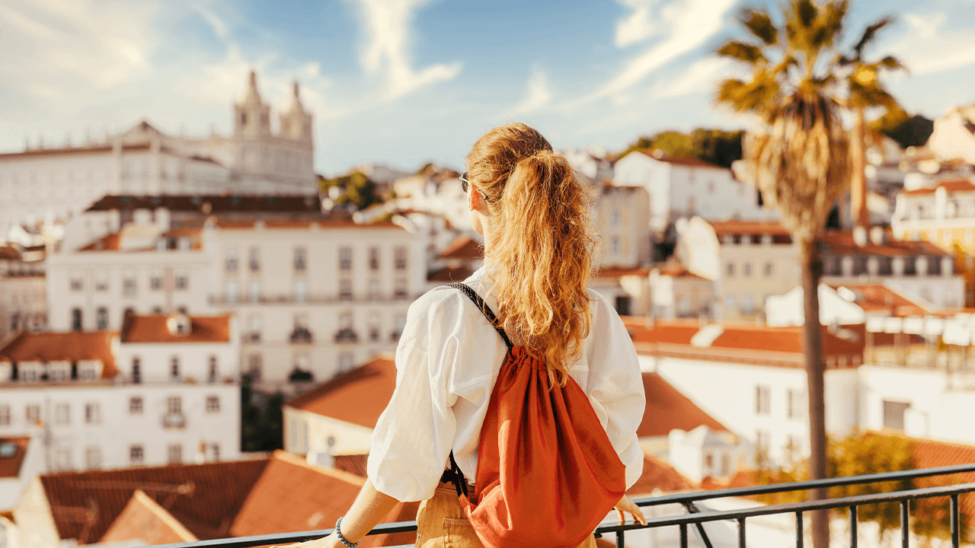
{"points": [[109, 242], [69, 346], [143, 519], [677, 271], [880, 298], [463, 247], [357, 397], [668, 409], [657, 474], [841, 242], [609, 271], [951, 187], [200, 496], [753, 228], [450, 274], [17, 449], [9, 252], [353, 464], [273, 224], [154, 329], [292, 495], [687, 162]]}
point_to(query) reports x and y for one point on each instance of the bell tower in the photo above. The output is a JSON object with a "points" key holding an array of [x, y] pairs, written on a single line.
{"points": [[252, 118], [296, 123]]}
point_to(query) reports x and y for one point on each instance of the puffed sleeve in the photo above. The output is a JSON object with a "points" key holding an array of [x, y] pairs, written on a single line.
{"points": [[616, 385], [414, 435]]}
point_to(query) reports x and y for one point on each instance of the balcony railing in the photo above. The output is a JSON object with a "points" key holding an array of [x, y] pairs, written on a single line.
{"points": [[695, 519], [174, 420]]}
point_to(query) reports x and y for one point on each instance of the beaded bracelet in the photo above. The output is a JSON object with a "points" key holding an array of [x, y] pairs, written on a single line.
{"points": [[338, 532]]}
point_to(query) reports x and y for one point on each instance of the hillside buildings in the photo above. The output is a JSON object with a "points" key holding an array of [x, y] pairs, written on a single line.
{"points": [[23, 298]]}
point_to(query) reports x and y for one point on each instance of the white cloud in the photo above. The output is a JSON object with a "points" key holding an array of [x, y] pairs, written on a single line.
{"points": [[701, 77], [691, 23], [386, 26], [638, 25], [537, 97], [219, 26], [927, 47]]}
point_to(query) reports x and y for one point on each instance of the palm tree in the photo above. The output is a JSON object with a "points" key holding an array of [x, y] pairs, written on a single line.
{"points": [[800, 159], [865, 92]]}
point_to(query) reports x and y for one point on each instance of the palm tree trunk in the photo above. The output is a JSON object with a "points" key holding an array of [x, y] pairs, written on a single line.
{"points": [[812, 269], [858, 179]]}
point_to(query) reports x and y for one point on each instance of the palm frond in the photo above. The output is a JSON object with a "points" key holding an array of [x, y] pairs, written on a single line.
{"points": [[869, 34], [744, 52], [759, 24], [891, 63]]}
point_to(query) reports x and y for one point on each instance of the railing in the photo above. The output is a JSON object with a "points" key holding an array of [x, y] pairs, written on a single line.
{"points": [[695, 518]]}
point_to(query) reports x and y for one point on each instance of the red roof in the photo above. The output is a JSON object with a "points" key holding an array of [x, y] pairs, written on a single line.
{"points": [[272, 224], [357, 397], [292, 495], [880, 298], [110, 242], [657, 474], [463, 247], [677, 271], [753, 228], [841, 242], [203, 497], [668, 409], [155, 329], [10, 466], [951, 187], [70, 346], [143, 519], [450, 274], [607, 272], [9, 252], [687, 162], [353, 464]]}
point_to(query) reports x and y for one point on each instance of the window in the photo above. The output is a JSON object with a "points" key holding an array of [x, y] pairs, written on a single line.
{"points": [[4, 415], [374, 327], [92, 413], [33, 414], [934, 266], [101, 318], [885, 266], [300, 259], [136, 455], [747, 304], [614, 218], [174, 367], [135, 405], [615, 247], [254, 259], [213, 404], [215, 451], [301, 290], [156, 281], [746, 269], [725, 464], [93, 458], [400, 291], [894, 414], [762, 443], [62, 413], [182, 280], [174, 453], [769, 269], [623, 305], [254, 291], [763, 400], [76, 319], [373, 258], [345, 258], [345, 290], [76, 282], [230, 291], [128, 285], [729, 270], [230, 260], [399, 258], [136, 369], [796, 404], [254, 365], [101, 281], [213, 373], [174, 405]]}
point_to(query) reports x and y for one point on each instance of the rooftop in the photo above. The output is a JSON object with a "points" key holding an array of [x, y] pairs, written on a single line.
{"points": [[878, 298], [657, 474], [176, 328], [668, 409], [143, 519], [300, 224], [951, 187], [70, 346], [686, 162], [611, 271], [841, 242], [450, 274], [465, 248], [212, 203], [12, 452], [357, 397], [753, 228]]}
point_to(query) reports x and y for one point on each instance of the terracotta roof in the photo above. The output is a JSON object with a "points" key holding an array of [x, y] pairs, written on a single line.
{"points": [[109, 242], [292, 495], [688, 162], [753, 228], [463, 247], [154, 329], [677, 271], [271, 224], [609, 271], [357, 397], [450, 274], [668, 409], [951, 187], [353, 464], [9, 252], [657, 474], [296, 203], [880, 298], [841, 242], [10, 465], [69, 346], [145, 521], [203, 497], [741, 343]]}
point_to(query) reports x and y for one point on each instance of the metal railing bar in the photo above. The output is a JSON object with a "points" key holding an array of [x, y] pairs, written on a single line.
{"points": [[741, 533], [683, 535], [681, 498], [853, 527], [955, 526], [905, 523], [702, 536], [619, 539], [799, 531]]}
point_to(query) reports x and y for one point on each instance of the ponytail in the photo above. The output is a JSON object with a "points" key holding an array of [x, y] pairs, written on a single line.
{"points": [[542, 244]]}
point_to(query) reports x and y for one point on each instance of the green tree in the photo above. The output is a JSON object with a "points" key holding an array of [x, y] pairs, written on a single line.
{"points": [[355, 188], [908, 131], [711, 145], [800, 159]]}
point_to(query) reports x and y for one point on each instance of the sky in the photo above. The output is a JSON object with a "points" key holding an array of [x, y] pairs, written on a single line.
{"points": [[405, 82]]}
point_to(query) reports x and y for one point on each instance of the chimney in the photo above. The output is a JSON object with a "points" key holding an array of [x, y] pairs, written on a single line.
{"points": [[860, 236]]}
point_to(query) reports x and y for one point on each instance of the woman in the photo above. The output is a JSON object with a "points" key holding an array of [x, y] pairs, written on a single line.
{"points": [[538, 246]]}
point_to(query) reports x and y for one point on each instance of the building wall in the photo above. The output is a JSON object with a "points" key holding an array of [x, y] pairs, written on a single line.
{"points": [[752, 272], [156, 360], [622, 217], [23, 302], [306, 433], [35, 519]]}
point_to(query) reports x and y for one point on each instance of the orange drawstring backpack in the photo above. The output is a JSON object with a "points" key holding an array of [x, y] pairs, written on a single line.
{"points": [[547, 473]]}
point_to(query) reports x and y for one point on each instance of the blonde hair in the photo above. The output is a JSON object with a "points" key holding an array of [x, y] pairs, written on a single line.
{"points": [[541, 243]]}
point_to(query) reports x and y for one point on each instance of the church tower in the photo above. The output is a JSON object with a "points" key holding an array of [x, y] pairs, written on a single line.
{"points": [[296, 124], [252, 118]]}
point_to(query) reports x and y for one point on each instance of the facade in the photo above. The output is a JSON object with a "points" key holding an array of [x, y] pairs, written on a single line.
{"points": [[683, 188], [954, 135], [748, 261], [313, 298], [944, 215], [850, 304], [23, 291], [678, 293], [57, 183], [622, 220]]}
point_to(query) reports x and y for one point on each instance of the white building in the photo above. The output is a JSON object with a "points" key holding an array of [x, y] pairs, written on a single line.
{"points": [[622, 219], [41, 183], [23, 292], [67, 390], [954, 136], [685, 187], [850, 304]]}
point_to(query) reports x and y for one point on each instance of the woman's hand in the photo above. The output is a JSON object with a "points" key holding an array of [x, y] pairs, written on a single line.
{"points": [[627, 505]]}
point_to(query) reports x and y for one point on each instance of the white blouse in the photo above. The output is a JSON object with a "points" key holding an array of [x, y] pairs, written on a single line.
{"points": [[447, 361]]}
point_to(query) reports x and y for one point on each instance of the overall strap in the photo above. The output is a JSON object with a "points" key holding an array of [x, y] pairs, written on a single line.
{"points": [[485, 309]]}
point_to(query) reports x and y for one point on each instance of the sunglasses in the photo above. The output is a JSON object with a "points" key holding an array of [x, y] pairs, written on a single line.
{"points": [[464, 182]]}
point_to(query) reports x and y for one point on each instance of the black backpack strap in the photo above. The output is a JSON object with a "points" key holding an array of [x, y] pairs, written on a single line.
{"points": [[485, 309]]}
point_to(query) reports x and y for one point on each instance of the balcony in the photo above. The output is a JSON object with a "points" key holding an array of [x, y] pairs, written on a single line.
{"points": [[301, 335], [346, 336], [252, 337], [697, 515], [174, 421]]}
